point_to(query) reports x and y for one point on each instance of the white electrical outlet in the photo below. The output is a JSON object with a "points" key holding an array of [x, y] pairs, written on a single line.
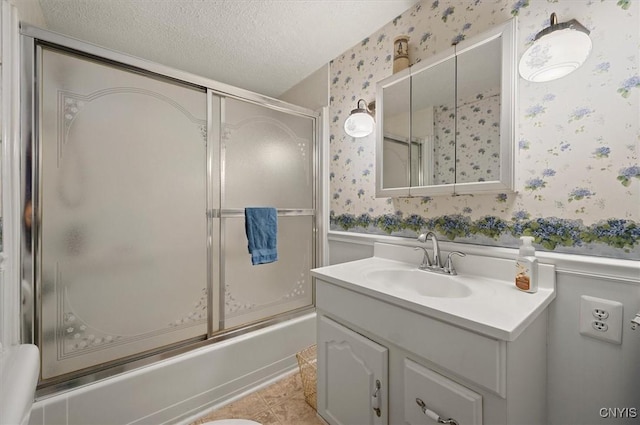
{"points": [[601, 319], [600, 314]]}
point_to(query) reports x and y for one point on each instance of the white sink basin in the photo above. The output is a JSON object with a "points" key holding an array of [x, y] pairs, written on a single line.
{"points": [[481, 298], [420, 283]]}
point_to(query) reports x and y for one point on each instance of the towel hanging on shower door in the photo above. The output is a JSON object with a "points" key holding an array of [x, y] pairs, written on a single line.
{"points": [[261, 225]]}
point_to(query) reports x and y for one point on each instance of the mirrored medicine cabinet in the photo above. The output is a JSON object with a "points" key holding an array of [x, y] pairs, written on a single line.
{"points": [[446, 125]]}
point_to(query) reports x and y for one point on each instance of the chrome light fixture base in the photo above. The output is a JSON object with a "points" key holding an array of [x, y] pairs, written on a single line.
{"points": [[557, 51]]}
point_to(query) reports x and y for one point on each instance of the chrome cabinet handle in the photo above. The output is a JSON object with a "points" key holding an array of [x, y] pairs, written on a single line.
{"points": [[433, 415], [375, 399]]}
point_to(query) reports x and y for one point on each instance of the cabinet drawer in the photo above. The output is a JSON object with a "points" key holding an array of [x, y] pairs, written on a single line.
{"points": [[439, 394], [467, 354]]}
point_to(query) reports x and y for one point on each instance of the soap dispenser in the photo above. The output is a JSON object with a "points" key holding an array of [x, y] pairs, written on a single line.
{"points": [[527, 266]]}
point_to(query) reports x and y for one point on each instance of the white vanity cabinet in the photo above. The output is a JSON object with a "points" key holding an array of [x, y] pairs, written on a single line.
{"points": [[454, 372], [353, 374]]}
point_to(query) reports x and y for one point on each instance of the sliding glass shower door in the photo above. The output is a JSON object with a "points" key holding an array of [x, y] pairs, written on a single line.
{"points": [[267, 160], [138, 184], [122, 212]]}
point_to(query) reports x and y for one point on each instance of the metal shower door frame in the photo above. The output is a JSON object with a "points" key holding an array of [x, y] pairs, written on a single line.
{"points": [[30, 40]]}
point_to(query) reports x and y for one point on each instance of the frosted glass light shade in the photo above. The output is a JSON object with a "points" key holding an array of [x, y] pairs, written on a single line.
{"points": [[557, 51], [360, 122], [359, 125]]}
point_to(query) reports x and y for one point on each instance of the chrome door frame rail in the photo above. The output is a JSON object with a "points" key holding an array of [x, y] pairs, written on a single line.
{"points": [[30, 39], [217, 87]]}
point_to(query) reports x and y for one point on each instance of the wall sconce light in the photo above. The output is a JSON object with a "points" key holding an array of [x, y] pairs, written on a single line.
{"points": [[360, 122], [557, 51]]}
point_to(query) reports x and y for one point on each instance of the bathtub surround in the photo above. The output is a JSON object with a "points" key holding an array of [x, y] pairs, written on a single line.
{"points": [[578, 174], [184, 388]]}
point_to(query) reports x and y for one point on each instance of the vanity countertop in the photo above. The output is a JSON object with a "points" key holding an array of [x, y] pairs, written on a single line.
{"points": [[494, 307]]}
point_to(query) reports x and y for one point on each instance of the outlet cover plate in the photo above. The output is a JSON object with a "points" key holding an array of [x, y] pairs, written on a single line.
{"points": [[613, 321]]}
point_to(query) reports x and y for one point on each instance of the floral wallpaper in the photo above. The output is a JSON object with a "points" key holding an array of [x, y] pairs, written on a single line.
{"points": [[577, 167]]}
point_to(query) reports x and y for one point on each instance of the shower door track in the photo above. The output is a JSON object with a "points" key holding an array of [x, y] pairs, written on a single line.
{"points": [[31, 37]]}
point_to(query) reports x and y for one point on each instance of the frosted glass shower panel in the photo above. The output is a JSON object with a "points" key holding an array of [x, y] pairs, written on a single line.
{"points": [[268, 157], [256, 292], [123, 213]]}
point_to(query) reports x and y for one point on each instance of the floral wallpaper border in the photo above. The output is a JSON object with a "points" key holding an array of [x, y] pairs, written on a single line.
{"points": [[550, 233]]}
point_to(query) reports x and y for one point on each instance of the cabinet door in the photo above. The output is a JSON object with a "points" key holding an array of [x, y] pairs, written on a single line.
{"points": [[350, 367], [440, 395]]}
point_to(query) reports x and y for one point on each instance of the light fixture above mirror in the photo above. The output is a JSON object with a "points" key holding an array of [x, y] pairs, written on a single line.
{"points": [[360, 122], [557, 51]]}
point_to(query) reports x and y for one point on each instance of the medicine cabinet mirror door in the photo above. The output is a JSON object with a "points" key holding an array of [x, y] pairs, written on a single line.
{"points": [[485, 109], [461, 131], [394, 150], [433, 123]]}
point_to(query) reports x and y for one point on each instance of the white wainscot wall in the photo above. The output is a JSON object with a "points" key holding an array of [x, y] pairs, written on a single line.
{"points": [[584, 375], [185, 387]]}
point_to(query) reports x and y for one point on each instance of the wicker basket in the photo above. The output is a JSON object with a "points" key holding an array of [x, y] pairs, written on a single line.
{"points": [[307, 360]]}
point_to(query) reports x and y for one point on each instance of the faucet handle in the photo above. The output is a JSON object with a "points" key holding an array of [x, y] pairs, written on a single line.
{"points": [[426, 260], [449, 266]]}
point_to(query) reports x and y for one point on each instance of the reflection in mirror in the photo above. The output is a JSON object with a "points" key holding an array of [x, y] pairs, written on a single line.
{"points": [[477, 147], [396, 119], [433, 122], [417, 161], [397, 157]]}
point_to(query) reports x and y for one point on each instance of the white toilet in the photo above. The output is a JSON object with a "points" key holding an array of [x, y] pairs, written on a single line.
{"points": [[232, 422], [19, 370]]}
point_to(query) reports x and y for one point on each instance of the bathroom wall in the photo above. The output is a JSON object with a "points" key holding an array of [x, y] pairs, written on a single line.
{"points": [[585, 374], [577, 182], [312, 92], [30, 12], [577, 168]]}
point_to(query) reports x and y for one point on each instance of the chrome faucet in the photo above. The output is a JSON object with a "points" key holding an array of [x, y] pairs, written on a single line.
{"points": [[436, 247], [436, 265]]}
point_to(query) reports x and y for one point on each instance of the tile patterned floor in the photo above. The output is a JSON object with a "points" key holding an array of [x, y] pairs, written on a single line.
{"points": [[281, 403]]}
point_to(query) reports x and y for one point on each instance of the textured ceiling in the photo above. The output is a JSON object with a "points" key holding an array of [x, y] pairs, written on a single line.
{"points": [[266, 46]]}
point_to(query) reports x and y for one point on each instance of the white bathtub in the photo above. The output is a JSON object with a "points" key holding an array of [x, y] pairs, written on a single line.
{"points": [[184, 387]]}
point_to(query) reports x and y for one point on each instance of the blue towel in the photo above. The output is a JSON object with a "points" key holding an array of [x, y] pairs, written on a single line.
{"points": [[261, 225]]}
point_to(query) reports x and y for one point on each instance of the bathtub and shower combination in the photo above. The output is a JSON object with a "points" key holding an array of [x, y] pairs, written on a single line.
{"points": [[135, 263]]}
